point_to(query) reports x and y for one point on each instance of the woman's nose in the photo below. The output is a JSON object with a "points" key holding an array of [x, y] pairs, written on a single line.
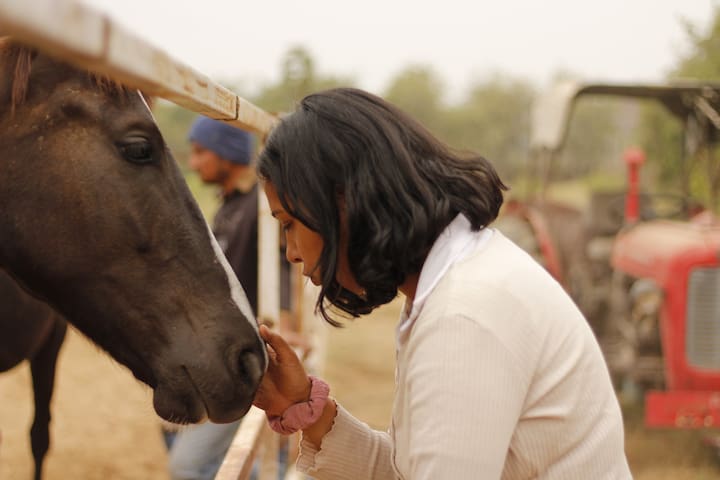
{"points": [[291, 253]]}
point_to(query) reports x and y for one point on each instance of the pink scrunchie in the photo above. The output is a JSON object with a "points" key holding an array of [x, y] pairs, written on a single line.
{"points": [[302, 415]]}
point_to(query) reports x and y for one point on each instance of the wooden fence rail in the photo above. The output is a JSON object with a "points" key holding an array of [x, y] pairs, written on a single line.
{"points": [[89, 39]]}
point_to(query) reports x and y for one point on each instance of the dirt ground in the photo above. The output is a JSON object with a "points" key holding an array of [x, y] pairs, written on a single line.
{"points": [[104, 426]]}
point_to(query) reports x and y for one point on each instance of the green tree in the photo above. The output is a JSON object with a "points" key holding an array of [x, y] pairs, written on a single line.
{"points": [[702, 61], [299, 78], [661, 133], [596, 133], [493, 120], [417, 90], [595, 141], [661, 137]]}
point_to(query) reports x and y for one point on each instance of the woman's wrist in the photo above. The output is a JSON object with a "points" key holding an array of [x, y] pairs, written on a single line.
{"points": [[278, 410], [315, 432], [303, 414]]}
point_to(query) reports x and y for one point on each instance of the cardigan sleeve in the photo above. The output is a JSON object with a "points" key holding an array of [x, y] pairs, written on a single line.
{"points": [[351, 450]]}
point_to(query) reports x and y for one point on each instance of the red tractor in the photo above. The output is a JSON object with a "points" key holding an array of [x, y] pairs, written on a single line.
{"points": [[643, 267]]}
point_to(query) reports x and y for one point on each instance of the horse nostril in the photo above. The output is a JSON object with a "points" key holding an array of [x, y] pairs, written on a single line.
{"points": [[249, 366]]}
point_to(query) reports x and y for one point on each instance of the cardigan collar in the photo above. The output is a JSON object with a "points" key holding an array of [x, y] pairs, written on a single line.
{"points": [[453, 245]]}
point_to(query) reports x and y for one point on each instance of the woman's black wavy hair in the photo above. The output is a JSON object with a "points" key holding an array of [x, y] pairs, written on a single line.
{"points": [[399, 185]]}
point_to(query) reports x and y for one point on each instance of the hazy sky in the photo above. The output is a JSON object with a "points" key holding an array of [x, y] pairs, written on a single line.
{"points": [[371, 40]]}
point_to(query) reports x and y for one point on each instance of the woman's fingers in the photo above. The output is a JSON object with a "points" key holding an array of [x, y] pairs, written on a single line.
{"points": [[283, 352], [286, 381]]}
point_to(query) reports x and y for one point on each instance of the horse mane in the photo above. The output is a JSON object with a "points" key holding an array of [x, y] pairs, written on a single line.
{"points": [[19, 59]]}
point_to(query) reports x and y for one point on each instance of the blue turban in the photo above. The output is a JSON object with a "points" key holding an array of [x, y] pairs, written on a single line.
{"points": [[228, 142]]}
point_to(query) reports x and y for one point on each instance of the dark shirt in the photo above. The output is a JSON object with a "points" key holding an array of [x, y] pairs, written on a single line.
{"points": [[236, 228]]}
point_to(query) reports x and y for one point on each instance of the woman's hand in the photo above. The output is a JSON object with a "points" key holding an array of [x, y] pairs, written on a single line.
{"points": [[285, 382]]}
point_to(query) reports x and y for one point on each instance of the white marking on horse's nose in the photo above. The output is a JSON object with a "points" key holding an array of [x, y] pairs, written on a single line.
{"points": [[142, 97], [236, 290]]}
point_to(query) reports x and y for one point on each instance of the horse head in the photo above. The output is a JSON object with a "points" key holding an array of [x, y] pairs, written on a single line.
{"points": [[98, 221]]}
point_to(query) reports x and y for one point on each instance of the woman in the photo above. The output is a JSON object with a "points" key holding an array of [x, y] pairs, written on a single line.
{"points": [[498, 374]]}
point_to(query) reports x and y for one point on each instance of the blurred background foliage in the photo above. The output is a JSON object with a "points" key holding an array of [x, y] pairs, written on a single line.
{"points": [[661, 134], [493, 117]]}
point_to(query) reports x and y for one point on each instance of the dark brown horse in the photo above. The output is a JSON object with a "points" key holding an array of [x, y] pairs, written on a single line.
{"points": [[97, 220], [31, 330]]}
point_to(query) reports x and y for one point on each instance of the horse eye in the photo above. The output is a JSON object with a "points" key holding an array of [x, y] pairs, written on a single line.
{"points": [[137, 152]]}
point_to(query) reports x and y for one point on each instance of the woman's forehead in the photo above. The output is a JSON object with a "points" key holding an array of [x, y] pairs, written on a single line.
{"points": [[276, 206]]}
